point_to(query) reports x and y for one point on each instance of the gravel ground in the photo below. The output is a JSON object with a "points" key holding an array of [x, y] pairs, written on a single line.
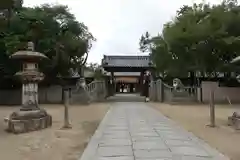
{"points": [[53, 143]]}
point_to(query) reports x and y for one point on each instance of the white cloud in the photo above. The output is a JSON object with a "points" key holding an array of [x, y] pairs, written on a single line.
{"points": [[118, 24]]}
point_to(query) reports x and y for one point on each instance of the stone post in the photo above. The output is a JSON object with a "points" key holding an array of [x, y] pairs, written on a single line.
{"points": [[98, 90], [131, 88], [66, 104], [112, 84], [104, 89], [141, 84], [151, 90], [212, 109], [155, 89], [160, 93]]}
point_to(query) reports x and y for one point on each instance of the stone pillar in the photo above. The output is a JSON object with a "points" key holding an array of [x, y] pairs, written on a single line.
{"points": [[131, 87], [146, 84], [141, 85], [112, 84], [66, 104], [30, 93], [117, 87], [153, 91], [106, 86], [160, 91]]}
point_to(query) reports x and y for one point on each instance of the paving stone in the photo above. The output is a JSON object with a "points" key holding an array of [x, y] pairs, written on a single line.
{"points": [[163, 124], [115, 142], [149, 145], [175, 136], [173, 157], [116, 158], [115, 151], [116, 132], [116, 135], [197, 158], [117, 125], [116, 128], [141, 138], [163, 128], [189, 150], [155, 159], [145, 134], [172, 131], [141, 130], [139, 125], [175, 142], [152, 154], [134, 129]]}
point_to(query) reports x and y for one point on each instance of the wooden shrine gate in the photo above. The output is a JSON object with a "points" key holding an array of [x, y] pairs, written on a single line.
{"points": [[127, 70]]}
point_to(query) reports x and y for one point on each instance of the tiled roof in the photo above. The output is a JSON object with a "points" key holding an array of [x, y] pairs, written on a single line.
{"points": [[126, 61]]}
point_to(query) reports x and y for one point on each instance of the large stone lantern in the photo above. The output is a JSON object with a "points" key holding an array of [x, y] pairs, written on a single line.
{"points": [[30, 117]]}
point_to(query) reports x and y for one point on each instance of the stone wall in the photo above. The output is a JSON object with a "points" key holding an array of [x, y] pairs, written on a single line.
{"points": [[161, 92], [10, 97], [95, 91], [50, 95], [156, 91], [80, 96], [221, 94]]}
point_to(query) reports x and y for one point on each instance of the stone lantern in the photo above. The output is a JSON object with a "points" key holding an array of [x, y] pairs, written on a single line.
{"points": [[68, 82], [30, 117]]}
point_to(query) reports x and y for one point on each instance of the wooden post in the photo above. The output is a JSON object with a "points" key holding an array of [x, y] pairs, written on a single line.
{"points": [[212, 109], [66, 104]]}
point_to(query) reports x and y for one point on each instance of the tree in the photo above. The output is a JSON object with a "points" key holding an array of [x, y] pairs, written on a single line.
{"points": [[55, 33], [8, 6], [201, 39]]}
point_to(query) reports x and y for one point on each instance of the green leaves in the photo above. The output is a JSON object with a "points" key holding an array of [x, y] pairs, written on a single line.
{"points": [[55, 32], [201, 38]]}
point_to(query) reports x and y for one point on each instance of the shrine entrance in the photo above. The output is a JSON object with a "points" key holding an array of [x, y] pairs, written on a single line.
{"points": [[125, 74]]}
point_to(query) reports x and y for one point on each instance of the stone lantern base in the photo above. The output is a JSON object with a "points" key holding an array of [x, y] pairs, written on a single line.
{"points": [[26, 121]]}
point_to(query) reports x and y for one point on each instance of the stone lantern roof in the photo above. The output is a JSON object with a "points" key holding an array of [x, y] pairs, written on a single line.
{"points": [[29, 54]]}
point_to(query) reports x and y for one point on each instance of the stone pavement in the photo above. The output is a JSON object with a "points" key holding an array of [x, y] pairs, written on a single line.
{"points": [[134, 131]]}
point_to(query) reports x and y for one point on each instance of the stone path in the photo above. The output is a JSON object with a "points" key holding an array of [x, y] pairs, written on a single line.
{"points": [[134, 131]]}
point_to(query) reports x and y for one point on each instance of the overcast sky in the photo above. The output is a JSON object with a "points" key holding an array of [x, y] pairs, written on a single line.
{"points": [[118, 24]]}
